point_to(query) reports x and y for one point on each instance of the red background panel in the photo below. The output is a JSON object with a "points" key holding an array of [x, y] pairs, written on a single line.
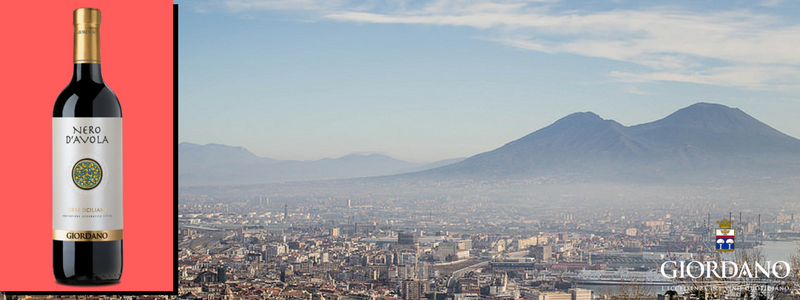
{"points": [[136, 52]]}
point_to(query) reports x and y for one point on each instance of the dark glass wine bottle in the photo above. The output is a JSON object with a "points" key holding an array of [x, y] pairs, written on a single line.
{"points": [[87, 167]]}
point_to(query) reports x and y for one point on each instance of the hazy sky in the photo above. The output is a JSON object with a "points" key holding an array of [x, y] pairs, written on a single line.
{"points": [[428, 80]]}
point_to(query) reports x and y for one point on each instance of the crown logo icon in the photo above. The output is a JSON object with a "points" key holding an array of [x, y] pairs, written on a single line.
{"points": [[725, 223]]}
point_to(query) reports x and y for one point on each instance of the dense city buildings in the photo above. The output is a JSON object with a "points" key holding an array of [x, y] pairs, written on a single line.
{"points": [[446, 249]]}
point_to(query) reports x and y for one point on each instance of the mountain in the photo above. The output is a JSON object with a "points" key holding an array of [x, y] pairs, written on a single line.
{"points": [[701, 138], [216, 163]]}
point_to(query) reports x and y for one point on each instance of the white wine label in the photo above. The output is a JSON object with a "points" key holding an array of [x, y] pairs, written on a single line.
{"points": [[87, 179]]}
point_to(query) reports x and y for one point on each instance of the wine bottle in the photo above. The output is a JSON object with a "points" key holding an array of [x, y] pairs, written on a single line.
{"points": [[87, 167]]}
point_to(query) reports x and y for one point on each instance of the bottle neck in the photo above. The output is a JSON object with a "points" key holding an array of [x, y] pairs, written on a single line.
{"points": [[87, 73], [87, 46], [87, 43]]}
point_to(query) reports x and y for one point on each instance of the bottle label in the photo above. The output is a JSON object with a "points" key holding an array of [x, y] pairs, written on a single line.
{"points": [[87, 179]]}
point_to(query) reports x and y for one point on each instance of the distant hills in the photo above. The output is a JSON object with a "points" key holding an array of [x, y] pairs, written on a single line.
{"points": [[217, 163], [703, 139]]}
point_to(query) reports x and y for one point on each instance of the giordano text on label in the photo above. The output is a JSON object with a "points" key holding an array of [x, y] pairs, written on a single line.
{"points": [[87, 235]]}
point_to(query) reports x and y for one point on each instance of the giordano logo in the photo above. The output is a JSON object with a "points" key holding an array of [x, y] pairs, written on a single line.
{"points": [[724, 240], [724, 236], [87, 174]]}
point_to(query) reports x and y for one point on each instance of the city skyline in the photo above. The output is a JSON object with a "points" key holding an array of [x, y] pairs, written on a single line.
{"points": [[339, 243], [435, 80]]}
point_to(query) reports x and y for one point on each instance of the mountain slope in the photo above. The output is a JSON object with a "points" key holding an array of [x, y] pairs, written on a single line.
{"points": [[717, 128]]}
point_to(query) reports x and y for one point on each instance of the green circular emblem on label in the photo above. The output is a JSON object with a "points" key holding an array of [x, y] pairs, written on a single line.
{"points": [[87, 174]]}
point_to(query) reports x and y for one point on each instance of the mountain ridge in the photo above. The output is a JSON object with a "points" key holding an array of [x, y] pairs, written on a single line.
{"points": [[219, 163], [706, 139]]}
